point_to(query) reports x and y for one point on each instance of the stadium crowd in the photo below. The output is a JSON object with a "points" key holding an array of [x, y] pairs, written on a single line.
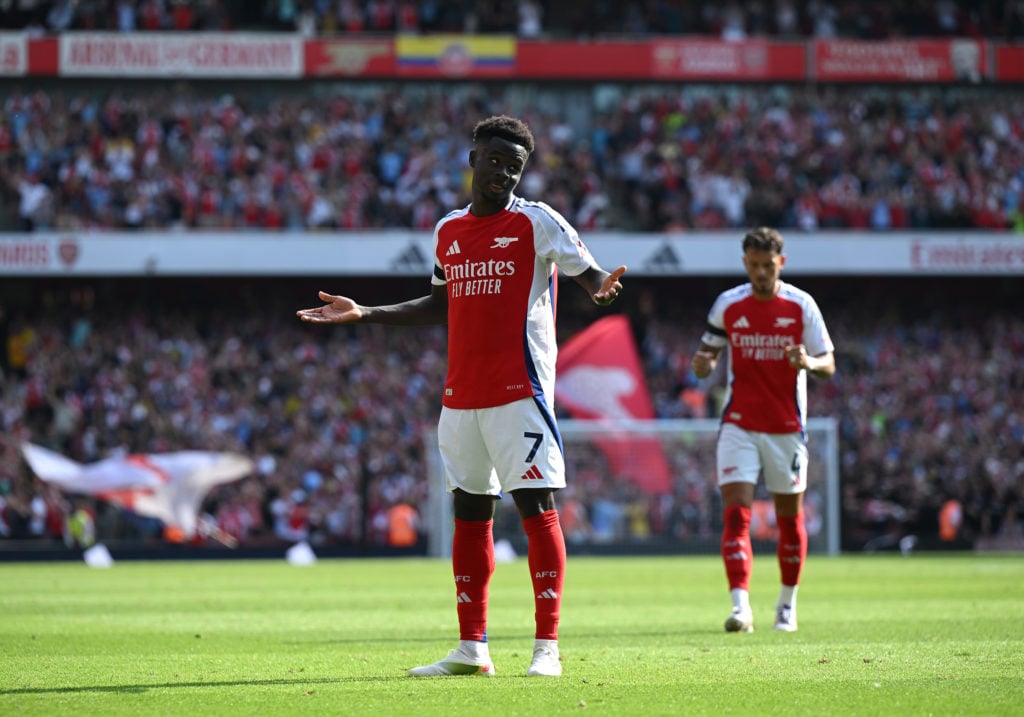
{"points": [[635, 158], [930, 404], [735, 19]]}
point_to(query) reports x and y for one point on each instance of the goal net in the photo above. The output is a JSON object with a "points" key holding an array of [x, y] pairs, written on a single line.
{"points": [[604, 512]]}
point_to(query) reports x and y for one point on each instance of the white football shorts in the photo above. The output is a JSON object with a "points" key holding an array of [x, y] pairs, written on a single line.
{"points": [[742, 455], [503, 448]]}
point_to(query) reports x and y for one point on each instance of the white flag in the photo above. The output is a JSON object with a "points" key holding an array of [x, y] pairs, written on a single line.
{"points": [[167, 486]]}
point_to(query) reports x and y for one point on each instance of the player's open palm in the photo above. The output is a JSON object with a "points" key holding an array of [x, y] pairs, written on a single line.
{"points": [[336, 310], [610, 287]]}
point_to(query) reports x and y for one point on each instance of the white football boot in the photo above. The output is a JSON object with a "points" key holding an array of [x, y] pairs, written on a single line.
{"points": [[464, 660], [740, 621], [785, 618], [545, 660]]}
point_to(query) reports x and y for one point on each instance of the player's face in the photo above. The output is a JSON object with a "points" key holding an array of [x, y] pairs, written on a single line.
{"points": [[763, 267], [497, 167]]}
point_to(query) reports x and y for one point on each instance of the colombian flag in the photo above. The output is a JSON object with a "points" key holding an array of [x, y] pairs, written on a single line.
{"points": [[455, 55]]}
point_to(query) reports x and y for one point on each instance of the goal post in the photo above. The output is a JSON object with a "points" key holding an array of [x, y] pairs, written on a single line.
{"points": [[610, 515]]}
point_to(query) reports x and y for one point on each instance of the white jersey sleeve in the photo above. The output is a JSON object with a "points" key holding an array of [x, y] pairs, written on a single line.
{"points": [[557, 240]]}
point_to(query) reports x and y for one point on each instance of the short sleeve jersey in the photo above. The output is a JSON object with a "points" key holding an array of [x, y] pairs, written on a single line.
{"points": [[500, 273], [765, 393]]}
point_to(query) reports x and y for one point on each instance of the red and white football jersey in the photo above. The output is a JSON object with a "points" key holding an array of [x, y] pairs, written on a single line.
{"points": [[765, 393], [500, 275]]}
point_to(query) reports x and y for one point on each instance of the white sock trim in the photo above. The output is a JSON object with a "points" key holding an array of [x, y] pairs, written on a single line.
{"points": [[740, 598]]}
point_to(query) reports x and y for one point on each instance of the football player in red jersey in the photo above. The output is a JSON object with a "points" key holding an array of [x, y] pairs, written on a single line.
{"points": [[495, 268], [775, 335]]}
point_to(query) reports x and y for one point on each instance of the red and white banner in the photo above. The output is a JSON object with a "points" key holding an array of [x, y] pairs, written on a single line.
{"points": [[960, 60], [600, 378], [280, 55], [167, 486], [13, 54], [694, 59], [350, 58], [165, 54]]}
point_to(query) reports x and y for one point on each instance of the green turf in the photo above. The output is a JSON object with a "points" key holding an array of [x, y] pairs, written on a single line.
{"points": [[879, 635]]}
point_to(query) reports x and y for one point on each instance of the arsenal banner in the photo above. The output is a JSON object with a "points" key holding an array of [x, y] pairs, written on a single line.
{"points": [[600, 378], [254, 56], [169, 54], [167, 486], [960, 60]]}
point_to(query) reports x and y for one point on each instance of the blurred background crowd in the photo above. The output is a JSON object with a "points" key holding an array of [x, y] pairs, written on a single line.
{"points": [[734, 19], [314, 156], [929, 394]]}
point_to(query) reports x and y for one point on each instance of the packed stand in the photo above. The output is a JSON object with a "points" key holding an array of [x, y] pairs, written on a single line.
{"points": [[732, 20], [324, 417], [930, 404], [393, 155]]}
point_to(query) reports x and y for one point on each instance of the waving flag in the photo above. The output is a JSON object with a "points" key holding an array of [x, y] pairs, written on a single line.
{"points": [[167, 486], [599, 377]]}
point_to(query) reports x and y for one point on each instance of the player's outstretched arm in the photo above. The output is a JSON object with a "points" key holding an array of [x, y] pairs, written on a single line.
{"points": [[426, 310], [603, 287], [336, 310]]}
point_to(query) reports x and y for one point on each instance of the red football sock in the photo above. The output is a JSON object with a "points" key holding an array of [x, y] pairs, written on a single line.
{"points": [[545, 555], [473, 565], [736, 550], [792, 548]]}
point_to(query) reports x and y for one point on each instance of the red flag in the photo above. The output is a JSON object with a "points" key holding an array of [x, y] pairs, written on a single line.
{"points": [[599, 377]]}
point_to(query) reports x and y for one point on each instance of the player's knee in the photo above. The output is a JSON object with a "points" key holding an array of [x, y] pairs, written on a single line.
{"points": [[534, 501], [468, 506]]}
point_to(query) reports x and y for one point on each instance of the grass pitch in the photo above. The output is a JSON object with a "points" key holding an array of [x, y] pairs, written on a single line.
{"points": [[879, 635]]}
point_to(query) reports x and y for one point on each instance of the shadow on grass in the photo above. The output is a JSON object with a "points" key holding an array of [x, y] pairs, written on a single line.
{"points": [[137, 689], [697, 633]]}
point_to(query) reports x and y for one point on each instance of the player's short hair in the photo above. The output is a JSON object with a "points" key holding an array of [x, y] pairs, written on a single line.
{"points": [[505, 127], [763, 239]]}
